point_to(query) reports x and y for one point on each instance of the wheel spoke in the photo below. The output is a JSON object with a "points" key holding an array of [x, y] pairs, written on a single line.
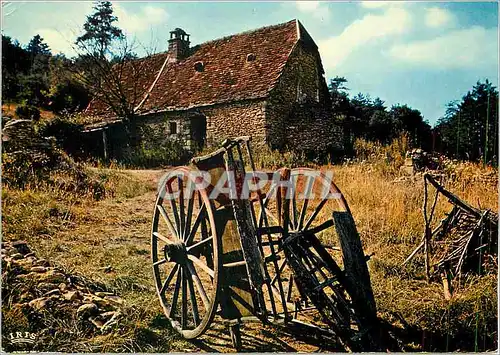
{"points": [[281, 268], [200, 243], [199, 286], [189, 214], [290, 287], [192, 296], [164, 214], [173, 206], [200, 263], [294, 220], [175, 297], [199, 218], [315, 213], [269, 214], [325, 225], [307, 193], [184, 299], [182, 219], [169, 278], [162, 237], [159, 262]]}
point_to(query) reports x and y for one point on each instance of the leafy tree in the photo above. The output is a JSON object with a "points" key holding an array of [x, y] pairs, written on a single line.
{"points": [[469, 129], [364, 117], [15, 62], [409, 120], [36, 46], [99, 30], [66, 94]]}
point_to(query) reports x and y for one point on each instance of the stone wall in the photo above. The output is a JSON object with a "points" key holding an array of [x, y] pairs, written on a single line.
{"points": [[301, 92], [310, 129], [222, 121], [157, 128], [236, 119]]}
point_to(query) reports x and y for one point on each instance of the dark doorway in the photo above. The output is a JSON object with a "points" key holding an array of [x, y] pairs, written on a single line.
{"points": [[199, 131]]}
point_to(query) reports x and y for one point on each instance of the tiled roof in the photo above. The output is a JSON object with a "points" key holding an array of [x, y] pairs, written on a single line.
{"points": [[227, 74]]}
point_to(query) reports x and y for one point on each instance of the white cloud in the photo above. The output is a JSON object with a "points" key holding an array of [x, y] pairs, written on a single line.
{"points": [[58, 41], [143, 20], [393, 21], [467, 48], [314, 8], [436, 17], [307, 6], [376, 4]]}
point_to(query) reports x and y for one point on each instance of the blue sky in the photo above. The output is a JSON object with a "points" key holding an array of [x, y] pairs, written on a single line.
{"points": [[424, 54]]}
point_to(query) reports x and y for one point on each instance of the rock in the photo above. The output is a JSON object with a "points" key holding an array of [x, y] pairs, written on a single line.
{"points": [[111, 322], [39, 269], [108, 315], [28, 260], [55, 291], [63, 286], [107, 269], [114, 300], [17, 256], [88, 309], [45, 286], [98, 323], [103, 294], [41, 262], [38, 303], [24, 297], [21, 246], [72, 295], [53, 276], [101, 302]]}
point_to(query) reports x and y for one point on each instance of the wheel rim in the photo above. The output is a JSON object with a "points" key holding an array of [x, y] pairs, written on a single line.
{"points": [[185, 254], [314, 217]]}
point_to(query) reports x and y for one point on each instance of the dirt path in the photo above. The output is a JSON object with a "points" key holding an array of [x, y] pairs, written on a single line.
{"points": [[109, 241]]}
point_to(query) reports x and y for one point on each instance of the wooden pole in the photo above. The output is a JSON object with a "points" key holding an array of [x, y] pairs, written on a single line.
{"points": [[486, 134], [105, 143]]}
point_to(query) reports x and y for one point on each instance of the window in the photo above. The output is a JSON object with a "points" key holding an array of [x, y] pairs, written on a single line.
{"points": [[199, 67], [251, 57], [173, 127]]}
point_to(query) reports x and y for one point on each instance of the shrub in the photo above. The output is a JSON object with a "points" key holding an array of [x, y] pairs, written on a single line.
{"points": [[170, 152], [67, 133], [28, 112], [388, 158]]}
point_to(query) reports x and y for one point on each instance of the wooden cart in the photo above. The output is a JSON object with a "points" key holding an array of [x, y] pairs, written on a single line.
{"points": [[272, 257]]}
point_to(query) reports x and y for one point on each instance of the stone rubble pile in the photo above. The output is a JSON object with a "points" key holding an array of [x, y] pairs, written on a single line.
{"points": [[33, 285], [419, 161]]}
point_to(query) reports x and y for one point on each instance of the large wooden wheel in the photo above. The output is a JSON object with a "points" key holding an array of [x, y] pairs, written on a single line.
{"points": [[185, 250], [316, 215]]}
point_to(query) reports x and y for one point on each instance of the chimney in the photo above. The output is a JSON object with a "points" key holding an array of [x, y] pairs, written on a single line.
{"points": [[178, 45]]}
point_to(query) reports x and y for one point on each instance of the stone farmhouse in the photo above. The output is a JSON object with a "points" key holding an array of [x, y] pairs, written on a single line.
{"points": [[268, 83]]}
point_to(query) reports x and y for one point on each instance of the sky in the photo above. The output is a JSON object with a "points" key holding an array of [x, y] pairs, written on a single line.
{"points": [[424, 54]]}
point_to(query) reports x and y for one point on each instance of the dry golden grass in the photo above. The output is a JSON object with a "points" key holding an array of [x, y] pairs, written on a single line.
{"points": [[9, 110], [389, 219]]}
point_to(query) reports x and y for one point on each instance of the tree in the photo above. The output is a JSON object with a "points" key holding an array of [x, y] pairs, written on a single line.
{"points": [[106, 67], [99, 30], [409, 120], [36, 46], [35, 83], [15, 62], [469, 129]]}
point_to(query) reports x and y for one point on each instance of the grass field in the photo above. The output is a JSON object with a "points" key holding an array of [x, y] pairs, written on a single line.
{"points": [[85, 236]]}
